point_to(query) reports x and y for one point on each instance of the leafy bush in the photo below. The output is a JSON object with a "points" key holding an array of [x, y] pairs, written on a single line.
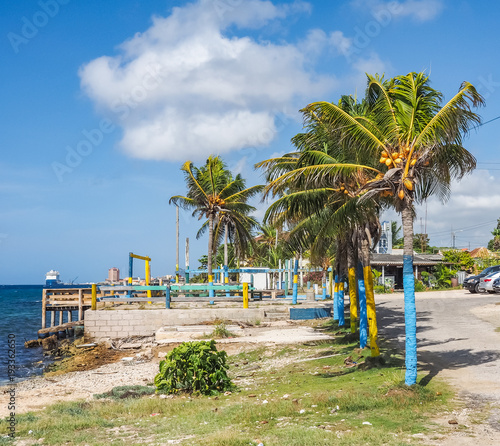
{"points": [[221, 331], [444, 275], [460, 260], [419, 286], [380, 289], [195, 367], [314, 277]]}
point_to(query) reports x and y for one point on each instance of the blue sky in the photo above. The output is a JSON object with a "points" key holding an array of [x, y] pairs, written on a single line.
{"points": [[103, 101]]}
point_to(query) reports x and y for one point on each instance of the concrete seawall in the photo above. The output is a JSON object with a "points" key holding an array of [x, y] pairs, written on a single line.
{"points": [[124, 323]]}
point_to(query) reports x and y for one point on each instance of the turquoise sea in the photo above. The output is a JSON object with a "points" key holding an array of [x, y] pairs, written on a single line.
{"points": [[21, 318]]}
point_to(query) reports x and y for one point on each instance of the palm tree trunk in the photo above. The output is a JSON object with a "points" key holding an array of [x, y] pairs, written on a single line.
{"points": [[226, 278], [225, 244], [409, 298], [351, 274], [341, 255], [363, 320], [210, 245], [370, 296]]}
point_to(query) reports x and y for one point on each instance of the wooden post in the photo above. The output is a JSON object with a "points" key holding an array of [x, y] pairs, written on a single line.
{"points": [[94, 297], [187, 260], [80, 304], [61, 317], [52, 318], [177, 244], [167, 297], [44, 308], [70, 316], [245, 295]]}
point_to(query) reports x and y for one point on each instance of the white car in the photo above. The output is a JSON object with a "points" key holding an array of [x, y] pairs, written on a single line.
{"points": [[486, 283]]}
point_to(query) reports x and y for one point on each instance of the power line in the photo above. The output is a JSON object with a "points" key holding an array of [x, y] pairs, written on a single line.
{"points": [[467, 228], [484, 123]]}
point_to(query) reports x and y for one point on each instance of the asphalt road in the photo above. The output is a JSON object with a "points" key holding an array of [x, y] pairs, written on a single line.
{"points": [[456, 337]]}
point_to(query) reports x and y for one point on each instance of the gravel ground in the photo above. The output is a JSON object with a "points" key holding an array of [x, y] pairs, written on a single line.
{"points": [[38, 392]]}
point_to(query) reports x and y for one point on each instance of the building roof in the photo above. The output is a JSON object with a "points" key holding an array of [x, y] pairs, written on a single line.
{"points": [[397, 259]]}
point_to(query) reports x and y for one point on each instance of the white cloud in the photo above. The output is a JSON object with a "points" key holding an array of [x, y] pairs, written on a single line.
{"points": [[420, 10], [185, 89]]}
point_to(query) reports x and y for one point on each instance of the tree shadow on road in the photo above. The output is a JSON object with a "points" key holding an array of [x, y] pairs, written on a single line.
{"points": [[392, 328]]}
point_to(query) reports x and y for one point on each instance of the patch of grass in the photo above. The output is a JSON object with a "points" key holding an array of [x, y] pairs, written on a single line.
{"points": [[221, 331], [286, 396], [497, 329], [122, 392]]}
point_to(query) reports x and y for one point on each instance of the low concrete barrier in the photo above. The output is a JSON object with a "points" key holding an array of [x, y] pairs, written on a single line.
{"points": [[124, 323]]}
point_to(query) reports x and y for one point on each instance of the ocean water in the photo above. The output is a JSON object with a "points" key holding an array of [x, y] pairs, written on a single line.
{"points": [[20, 319]]}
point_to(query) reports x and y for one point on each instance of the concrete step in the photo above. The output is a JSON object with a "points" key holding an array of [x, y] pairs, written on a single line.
{"points": [[277, 316]]}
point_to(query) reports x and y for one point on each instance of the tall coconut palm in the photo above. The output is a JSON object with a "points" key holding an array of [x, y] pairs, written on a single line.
{"points": [[319, 184], [214, 194], [418, 143]]}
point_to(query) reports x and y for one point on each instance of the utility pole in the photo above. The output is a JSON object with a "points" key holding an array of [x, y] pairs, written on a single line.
{"points": [[187, 260], [177, 244]]}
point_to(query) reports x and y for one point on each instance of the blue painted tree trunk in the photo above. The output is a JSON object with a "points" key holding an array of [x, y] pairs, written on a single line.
{"points": [[363, 318], [409, 298], [341, 309], [336, 299], [410, 321]]}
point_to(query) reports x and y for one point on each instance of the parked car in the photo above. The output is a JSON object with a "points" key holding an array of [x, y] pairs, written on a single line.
{"points": [[472, 282], [486, 283], [496, 285]]}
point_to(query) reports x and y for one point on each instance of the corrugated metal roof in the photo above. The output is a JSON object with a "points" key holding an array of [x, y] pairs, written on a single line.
{"points": [[397, 260]]}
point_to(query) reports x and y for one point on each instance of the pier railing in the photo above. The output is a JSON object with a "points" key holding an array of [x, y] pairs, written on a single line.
{"points": [[165, 293], [70, 300]]}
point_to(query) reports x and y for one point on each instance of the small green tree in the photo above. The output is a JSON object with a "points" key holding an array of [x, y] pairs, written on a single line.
{"points": [[397, 240], [459, 260], [194, 367], [494, 243]]}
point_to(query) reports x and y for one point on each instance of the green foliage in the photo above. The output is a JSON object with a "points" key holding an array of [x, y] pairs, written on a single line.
{"points": [[419, 286], [194, 367], [494, 243], [444, 275], [421, 243], [460, 260], [314, 277], [426, 278], [221, 331], [380, 289], [397, 241]]}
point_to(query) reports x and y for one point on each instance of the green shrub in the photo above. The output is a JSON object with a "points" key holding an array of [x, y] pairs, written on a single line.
{"points": [[221, 331], [195, 367], [419, 286]]}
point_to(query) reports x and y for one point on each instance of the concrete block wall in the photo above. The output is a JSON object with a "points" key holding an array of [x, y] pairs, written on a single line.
{"points": [[113, 324]]}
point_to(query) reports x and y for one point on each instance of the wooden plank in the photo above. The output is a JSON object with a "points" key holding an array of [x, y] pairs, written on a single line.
{"points": [[80, 304], [44, 311], [132, 299]]}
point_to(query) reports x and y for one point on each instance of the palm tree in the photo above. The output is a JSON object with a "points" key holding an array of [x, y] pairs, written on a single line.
{"points": [[214, 194], [418, 142], [318, 188]]}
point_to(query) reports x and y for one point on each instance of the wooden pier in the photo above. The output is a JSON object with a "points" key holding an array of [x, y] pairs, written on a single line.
{"points": [[69, 300], [60, 300]]}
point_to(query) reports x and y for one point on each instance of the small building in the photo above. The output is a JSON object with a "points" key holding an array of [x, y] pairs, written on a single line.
{"points": [[391, 266], [384, 245], [113, 275]]}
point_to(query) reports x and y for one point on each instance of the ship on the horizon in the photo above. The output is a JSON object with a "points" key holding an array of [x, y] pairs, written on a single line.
{"points": [[52, 280]]}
